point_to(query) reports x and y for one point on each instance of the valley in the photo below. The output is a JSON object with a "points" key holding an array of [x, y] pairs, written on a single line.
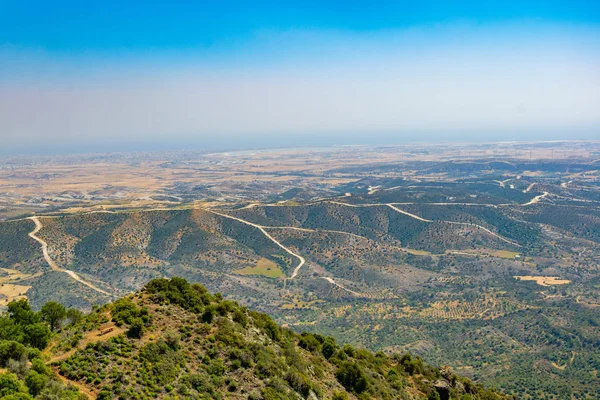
{"points": [[482, 257]]}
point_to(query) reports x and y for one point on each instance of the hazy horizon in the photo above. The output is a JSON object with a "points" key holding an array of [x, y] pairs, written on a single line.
{"points": [[231, 76]]}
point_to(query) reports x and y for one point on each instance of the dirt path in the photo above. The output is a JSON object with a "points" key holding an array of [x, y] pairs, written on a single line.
{"points": [[51, 263], [563, 367], [316, 231], [341, 287], [373, 189], [485, 230], [90, 337], [461, 253], [455, 223], [82, 388], [529, 188], [407, 213], [536, 199], [393, 207], [262, 229], [408, 203], [251, 205]]}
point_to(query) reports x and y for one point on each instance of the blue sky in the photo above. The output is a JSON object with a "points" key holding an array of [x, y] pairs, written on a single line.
{"points": [[112, 26], [150, 75]]}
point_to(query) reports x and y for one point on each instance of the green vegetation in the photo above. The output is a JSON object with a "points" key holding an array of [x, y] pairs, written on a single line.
{"points": [[54, 313], [22, 337], [263, 267], [194, 345], [374, 277]]}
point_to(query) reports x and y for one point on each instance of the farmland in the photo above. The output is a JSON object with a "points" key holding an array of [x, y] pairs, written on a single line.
{"points": [[479, 262], [263, 267]]}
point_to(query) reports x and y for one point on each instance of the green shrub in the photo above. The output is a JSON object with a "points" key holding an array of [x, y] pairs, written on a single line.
{"points": [[329, 347], [9, 349], [216, 367], [225, 307], [337, 395], [272, 330], [38, 365], [309, 342], [349, 350], [351, 376], [200, 383], [126, 312], [11, 384], [179, 291], [298, 381], [136, 328], [17, 396], [172, 339], [208, 314], [411, 365], [54, 313], [37, 335], [240, 317], [154, 352], [270, 393], [434, 395]]}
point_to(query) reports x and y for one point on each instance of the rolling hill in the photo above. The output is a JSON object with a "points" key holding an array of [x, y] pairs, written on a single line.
{"points": [[495, 276], [173, 340]]}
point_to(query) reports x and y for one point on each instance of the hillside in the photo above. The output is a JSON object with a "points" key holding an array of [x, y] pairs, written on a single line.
{"points": [[495, 275], [173, 340]]}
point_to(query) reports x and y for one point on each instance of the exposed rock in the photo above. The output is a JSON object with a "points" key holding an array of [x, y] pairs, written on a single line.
{"points": [[443, 388]]}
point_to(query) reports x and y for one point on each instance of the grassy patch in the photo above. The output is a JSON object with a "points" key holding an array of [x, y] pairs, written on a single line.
{"points": [[263, 267], [417, 252], [506, 254]]}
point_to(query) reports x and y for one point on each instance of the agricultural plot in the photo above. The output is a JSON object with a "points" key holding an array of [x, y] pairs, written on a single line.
{"points": [[544, 280], [11, 292], [418, 254], [263, 267]]}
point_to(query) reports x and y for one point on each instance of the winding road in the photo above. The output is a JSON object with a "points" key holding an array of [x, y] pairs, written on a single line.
{"points": [[536, 199], [262, 229], [52, 264], [393, 207], [407, 213], [299, 257]]}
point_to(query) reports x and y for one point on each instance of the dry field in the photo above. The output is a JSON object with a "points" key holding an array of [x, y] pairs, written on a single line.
{"points": [[263, 267], [40, 184], [544, 280], [10, 289], [10, 292]]}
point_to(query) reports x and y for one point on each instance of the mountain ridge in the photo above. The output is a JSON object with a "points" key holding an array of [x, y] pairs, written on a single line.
{"points": [[175, 340]]}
